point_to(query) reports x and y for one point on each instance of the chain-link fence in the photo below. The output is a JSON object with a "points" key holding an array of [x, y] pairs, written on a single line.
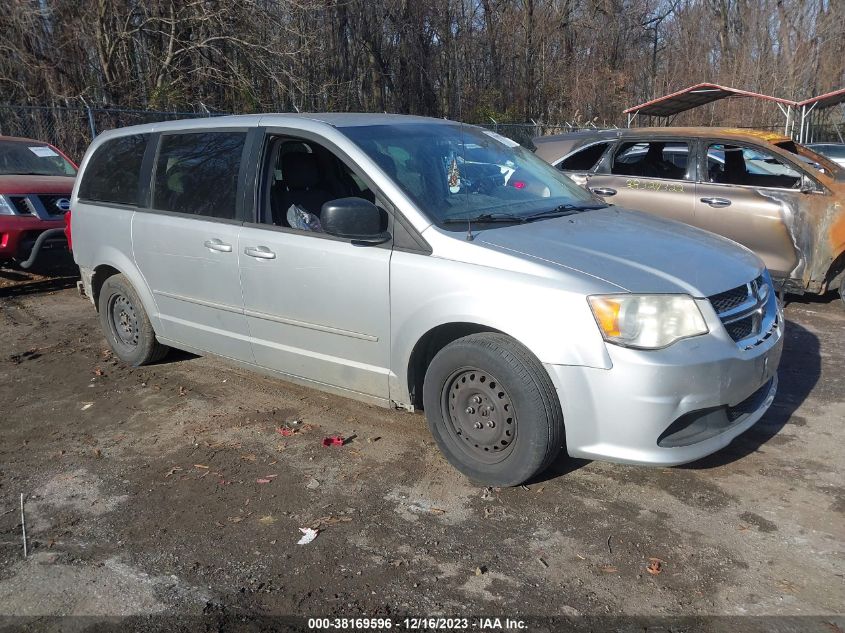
{"points": [[72, 129], [522, 133]]}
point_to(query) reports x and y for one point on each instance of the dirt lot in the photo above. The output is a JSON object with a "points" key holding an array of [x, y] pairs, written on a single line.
{"points": [[169, 491]]}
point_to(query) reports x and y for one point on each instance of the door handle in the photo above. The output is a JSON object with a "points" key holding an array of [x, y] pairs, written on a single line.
{"points": [[603, 191], [259, 252], [717, 202], [218, 245]]}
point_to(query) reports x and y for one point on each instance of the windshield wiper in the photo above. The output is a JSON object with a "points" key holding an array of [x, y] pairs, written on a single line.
{"points": [[560, 210], [484, 217], [564, 209]]}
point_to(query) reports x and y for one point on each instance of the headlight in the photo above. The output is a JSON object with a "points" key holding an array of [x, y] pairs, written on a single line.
{"points": [[647, 321], [6, 207]]}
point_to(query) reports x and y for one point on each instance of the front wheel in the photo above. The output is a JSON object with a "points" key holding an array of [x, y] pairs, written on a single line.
{"points": [[842, 290], [126, 324], [493, 409]]}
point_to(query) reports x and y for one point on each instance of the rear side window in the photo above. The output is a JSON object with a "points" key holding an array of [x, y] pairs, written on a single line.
{"points": [[113, 172], [198, 173], [652, 159], [585, 159]]}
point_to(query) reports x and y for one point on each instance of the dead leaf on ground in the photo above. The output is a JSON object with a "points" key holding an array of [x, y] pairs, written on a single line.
{"points": [[267, 520], [655, 566], [201, 466], [788, 586], [99, 372], [234, 519], [173, 470], [608, 569], [182, 390]]}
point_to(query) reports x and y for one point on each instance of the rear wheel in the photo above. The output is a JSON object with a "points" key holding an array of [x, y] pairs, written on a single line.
{"points": [[126, 324], [492, 409]]}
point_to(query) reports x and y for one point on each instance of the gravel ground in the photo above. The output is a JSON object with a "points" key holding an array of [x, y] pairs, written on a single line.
{"points": [[169, 494]]}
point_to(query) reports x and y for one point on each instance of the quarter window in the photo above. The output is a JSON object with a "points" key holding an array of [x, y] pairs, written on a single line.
{"points": [[735, 165], [585, 159], [113, 172], [652, 159], [198, 173]]}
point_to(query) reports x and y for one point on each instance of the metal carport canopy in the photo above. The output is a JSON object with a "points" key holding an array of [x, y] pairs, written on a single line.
{"points": [[826, 100], [695, 96], [820, 102]]}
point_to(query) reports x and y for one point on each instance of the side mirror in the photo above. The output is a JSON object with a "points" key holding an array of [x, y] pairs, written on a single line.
{"points": [[354, 219]]}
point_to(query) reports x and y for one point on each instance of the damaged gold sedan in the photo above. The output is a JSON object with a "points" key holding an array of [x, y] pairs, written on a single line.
{"points": [[761, 189]]}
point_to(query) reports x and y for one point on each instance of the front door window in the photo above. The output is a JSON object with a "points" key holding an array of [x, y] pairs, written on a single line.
{"points": [[737, 165]]}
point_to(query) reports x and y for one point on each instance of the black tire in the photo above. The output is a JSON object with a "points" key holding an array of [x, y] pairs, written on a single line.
{"points": [[503, 383], [842, 290], [126, 324]]}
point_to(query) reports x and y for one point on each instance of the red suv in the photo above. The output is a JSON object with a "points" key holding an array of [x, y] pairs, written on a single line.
{"points": [[36, 180]]}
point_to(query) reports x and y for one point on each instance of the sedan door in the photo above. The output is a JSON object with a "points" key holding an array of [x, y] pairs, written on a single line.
{"points": [[655, 176], [750, 196], [186, 244]]}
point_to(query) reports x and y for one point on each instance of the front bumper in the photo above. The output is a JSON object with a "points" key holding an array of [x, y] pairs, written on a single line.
{"points": [[19, 234], [620, 414]]}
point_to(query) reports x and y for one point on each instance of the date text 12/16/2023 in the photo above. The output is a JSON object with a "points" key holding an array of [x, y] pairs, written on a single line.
{"points": [[421, 623]]}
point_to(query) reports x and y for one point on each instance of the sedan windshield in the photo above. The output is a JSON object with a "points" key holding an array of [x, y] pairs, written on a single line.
{"points": [[460, 172], [32, 159]]}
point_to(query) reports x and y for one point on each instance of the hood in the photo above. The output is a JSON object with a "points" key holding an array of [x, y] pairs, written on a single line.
{"points": [[18, 185], [631, 250]]}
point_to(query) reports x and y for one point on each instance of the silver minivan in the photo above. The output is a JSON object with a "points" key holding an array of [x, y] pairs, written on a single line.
{"points": [[420, 263]]}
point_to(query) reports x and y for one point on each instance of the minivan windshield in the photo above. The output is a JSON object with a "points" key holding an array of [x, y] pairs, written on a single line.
{"points": [[21, 158], [459, 172]]}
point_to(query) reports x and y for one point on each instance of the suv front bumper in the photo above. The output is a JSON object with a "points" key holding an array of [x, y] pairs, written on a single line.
{"points": [[19, 234], [693, 397]]}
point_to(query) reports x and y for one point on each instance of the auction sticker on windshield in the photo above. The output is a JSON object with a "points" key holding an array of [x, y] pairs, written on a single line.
{"points": [[42, 152]]}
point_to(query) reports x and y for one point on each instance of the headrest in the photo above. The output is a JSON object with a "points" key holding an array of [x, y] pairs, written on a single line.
{"points": [[300, 170]]}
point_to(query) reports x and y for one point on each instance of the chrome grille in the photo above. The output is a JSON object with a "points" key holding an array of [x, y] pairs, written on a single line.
{"points": [[749, 313], [49, 201], [740, 329], [730, 299], [42, 205]]}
